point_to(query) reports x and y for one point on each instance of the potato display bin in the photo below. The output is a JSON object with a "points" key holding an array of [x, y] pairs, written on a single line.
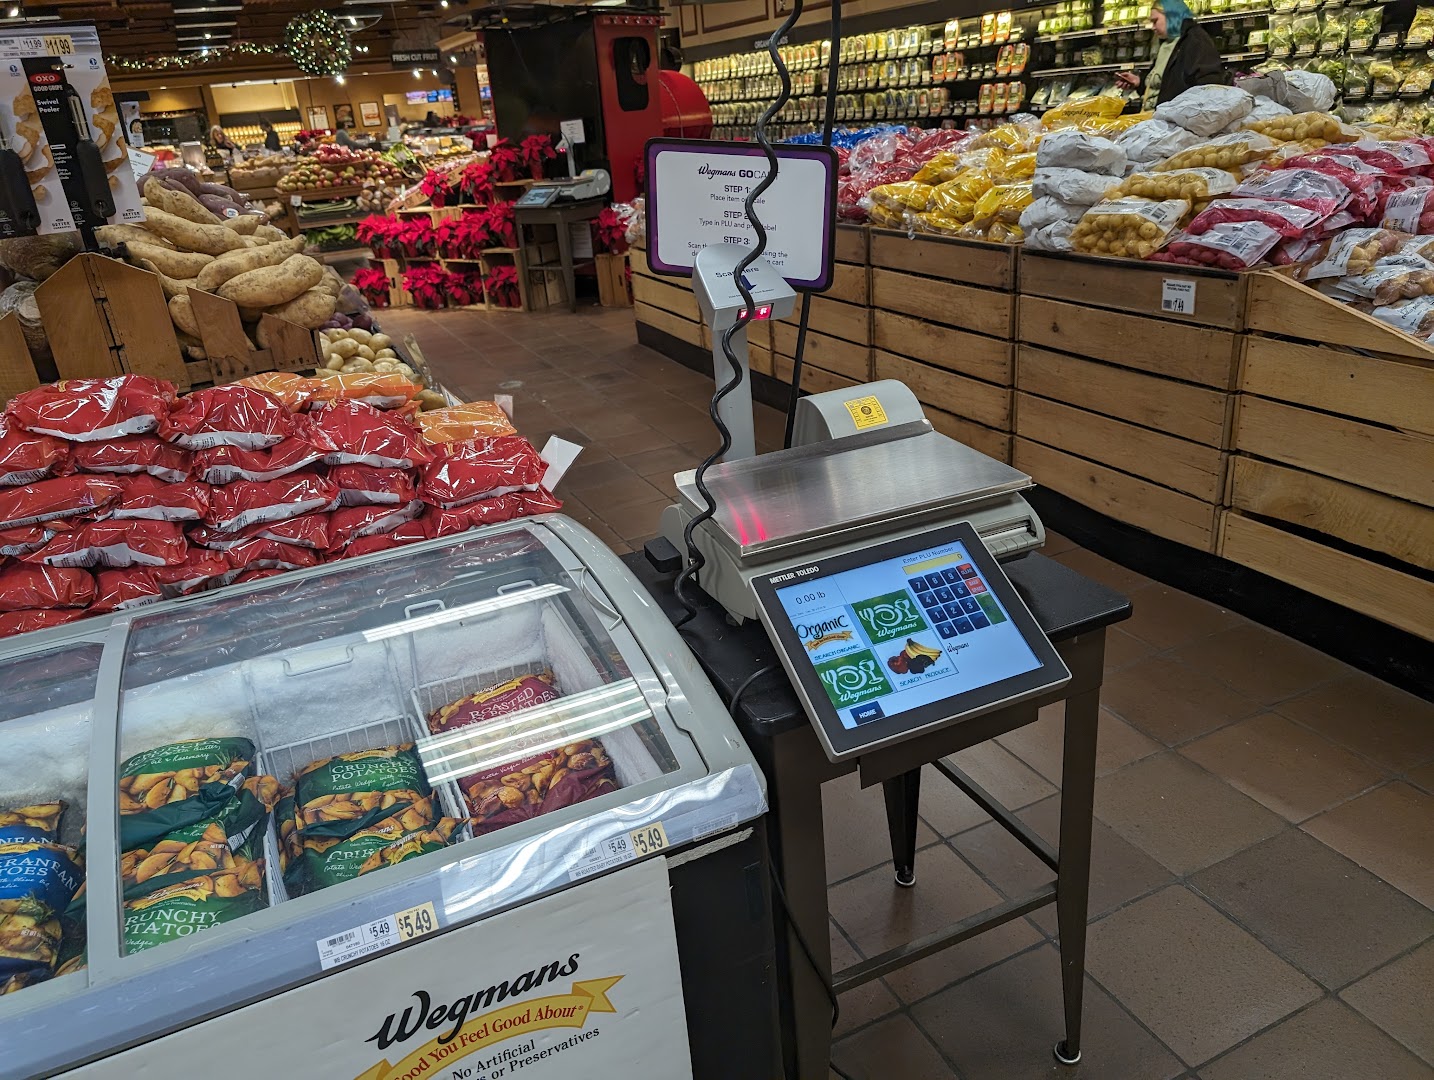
{"points": [[602, 725]]}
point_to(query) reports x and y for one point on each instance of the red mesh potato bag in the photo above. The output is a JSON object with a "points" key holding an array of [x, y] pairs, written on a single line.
{"points": [[145, 496], [259, 553], [225, 464], [353, 522], [306, 530], [367, 436], [482, 468], [22, 622], [364, 485], [231, 415], [200, 569], [88, 410], [116, 543], [27, 585], [58, 497], [136, 454], [26, 457], [116, 590], [23, 540], [234, 506]]}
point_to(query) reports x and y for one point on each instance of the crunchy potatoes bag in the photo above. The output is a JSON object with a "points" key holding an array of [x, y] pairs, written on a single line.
{"points": [[193, 906], [412, 846], [340, 795], [329, 860], [178, 784], [1130, 228]]}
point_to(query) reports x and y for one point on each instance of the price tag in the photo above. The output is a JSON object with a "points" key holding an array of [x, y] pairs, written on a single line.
{"points": [[376, 936], [296, 200], [59, 44], [1177, 296], [140, 161], [617, 850], [648, 840]]}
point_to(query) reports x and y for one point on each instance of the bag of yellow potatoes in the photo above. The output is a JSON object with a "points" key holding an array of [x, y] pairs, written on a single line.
{"points": [[1128, 228], [1188, 184], [1307, 125], [1222, 152], [908, 196], [1104, 107]]}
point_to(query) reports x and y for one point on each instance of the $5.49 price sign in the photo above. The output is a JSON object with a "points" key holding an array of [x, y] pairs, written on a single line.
{"points": [[616, 850], [373, 937]]}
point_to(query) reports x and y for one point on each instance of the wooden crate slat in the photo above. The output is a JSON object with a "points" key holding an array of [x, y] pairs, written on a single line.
{"points": [[976, 355], [637, 259], [815, 380], [1372, 457], [138, 316], [1367, 519], [849, 285], [1397, 393], [971, 262], [1278, 304], [1382, 592], [984, 311], [851, 241], [680, 328], [17, 368], [659, 295], [846, 321], [981, 402], [1176, 463], [996, 444], [759, 359], [1197, 354], [1133, 286], [825, 351], [1191, 412], [1126, 498], [79, 335]]}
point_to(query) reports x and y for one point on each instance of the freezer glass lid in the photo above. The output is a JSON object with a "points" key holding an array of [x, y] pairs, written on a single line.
{"points": [[45, 713], [384, 712]]}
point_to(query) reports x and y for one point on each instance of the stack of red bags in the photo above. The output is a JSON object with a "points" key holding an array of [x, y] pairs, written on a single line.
{"points": [[116, 493]]}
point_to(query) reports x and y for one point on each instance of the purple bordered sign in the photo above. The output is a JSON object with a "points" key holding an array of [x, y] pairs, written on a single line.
{"points": [[695, 194]]}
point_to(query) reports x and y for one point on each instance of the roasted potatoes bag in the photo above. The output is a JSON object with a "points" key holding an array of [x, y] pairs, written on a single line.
{"points": [[178, 784], [348, 792], [192, 906], [38, 879]]}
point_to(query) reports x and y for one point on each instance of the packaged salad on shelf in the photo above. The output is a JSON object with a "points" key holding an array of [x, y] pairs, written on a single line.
{"points": [[1421, 29]]}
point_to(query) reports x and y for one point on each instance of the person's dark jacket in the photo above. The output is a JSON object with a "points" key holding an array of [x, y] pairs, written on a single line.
{"points": [[1195, 62], [271, 140]]}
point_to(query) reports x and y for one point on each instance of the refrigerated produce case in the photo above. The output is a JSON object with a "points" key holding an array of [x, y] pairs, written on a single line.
{"points": [[351, 658]]}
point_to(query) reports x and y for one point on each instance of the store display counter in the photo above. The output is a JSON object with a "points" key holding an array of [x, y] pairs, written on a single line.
{"points": [[626, 736]]}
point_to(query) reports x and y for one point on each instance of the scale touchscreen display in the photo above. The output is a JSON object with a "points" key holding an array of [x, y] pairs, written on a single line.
{"points": [[893, 636]]}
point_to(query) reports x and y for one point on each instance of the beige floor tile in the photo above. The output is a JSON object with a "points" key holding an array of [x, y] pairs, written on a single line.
{"points": [[1009, 780], [1370, 717], [866, 1003], [1171, 701], [1423, 777], [1103, 570], [1122, 649], [1040, 745], [1390, 832], [1261, 664], [1191, 975], [1397, 998], [1164, 618], [854, 828], [945, 807], [892, 1048]]}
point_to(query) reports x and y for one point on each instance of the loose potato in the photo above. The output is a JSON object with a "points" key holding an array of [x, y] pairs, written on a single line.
{"points": [[233, 263], [178, 202], [365, 353], [115, 235], [272, 285], [177, 264], [345, 348], [270, 234], [182, 312], [380, 341], [191, 236], [331, 283], [360, 335], [172, 286], [244, 224], [310, 309], [335, 363], [383, 354]]}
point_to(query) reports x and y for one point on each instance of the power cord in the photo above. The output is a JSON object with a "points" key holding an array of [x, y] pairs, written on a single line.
{"points": [[766, 669], [828, 120], [695, 558]]}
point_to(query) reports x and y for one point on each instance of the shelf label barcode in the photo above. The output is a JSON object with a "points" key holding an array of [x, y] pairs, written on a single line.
{"points": [[371, 937], [341, 939]]}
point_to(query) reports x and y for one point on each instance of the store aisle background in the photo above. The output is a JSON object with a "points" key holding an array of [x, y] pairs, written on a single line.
{"points": [[1262, 893]]}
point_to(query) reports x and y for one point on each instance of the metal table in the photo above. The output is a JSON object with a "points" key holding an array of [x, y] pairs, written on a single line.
{"points": [[1074, 612], [560, 214]]}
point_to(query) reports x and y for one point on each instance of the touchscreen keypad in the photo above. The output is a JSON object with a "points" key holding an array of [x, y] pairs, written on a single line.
{"points": [[956, 600]]}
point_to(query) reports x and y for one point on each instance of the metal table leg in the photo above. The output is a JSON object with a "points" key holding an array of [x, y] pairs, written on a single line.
{"points": [[903, 797], [1082, 714], [565, 255]]}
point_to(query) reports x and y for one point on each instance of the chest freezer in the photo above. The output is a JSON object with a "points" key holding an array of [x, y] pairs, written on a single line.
{"points": [[599, 742]]}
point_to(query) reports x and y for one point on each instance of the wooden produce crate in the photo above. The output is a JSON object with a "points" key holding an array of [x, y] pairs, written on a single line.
{"points": [[664, 303], [612, 280], [837, 352], [1121, 403], [1332, 482], [943, 318], [232, 355], [17, 366]]}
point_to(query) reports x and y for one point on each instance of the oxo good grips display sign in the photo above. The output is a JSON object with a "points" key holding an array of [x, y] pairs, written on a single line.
{"points": [[697, 189], [584, 983]]}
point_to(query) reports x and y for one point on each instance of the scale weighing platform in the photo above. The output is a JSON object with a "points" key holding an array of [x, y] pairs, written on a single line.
{"points": [[590, 184], [871, 561]]}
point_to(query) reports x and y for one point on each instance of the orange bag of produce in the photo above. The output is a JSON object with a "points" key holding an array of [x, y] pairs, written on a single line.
{"points": [[381, 389], [297, 392], [459, 423]]}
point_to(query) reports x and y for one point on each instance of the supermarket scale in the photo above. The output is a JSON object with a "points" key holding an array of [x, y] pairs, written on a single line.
{"points": [[868, 550]]}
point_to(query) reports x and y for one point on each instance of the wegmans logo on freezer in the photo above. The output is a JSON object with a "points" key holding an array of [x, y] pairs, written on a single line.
{"points": [[889, 616], [851, 680]]}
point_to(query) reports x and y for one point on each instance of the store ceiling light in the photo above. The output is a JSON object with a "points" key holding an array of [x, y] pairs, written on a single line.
{"points": [[13, 13], [415, 73], [208, 9], [210, 22]]}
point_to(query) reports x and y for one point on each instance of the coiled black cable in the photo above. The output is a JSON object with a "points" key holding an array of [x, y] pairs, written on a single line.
{"points": [[695, 558], [828, 120]]}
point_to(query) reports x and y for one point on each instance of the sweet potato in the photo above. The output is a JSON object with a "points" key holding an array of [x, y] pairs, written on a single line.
{"points": [[115, 235], [191, 236], [271, 285], [172, 286], [182, 312], [244, 224], [270, 233], [178, 202], [233, 263], [310, 309], [178, 264]]}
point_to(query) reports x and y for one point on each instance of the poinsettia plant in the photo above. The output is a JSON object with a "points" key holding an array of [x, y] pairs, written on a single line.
{"points": [[535, 151], [465, 287], [438, 187], [505, 159], [502, 227], [381, 234], [609, 232], [471, 235], [502, 285], [429, 284], [416, 237], [475, 182], [372, 282]]}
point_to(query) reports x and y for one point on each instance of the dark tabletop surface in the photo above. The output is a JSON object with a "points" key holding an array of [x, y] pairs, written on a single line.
{"points": [[1064, 603]]}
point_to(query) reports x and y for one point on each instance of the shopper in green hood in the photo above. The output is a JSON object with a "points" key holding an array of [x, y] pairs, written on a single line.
{"points": [[1187, 56]]}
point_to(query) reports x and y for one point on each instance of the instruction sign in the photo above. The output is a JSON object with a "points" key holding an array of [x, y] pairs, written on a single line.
{"points": [[696, 190]]}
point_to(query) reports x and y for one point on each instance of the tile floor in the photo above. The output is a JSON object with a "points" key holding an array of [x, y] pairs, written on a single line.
{"points": [[1263, 871]]}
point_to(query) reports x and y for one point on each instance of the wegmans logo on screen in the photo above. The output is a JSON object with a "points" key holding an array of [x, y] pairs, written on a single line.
{"points": [[889, 616], [851, 680]]}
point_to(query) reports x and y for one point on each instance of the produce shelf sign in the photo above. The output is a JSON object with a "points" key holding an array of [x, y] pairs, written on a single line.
{"points": [[695, 199]]}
